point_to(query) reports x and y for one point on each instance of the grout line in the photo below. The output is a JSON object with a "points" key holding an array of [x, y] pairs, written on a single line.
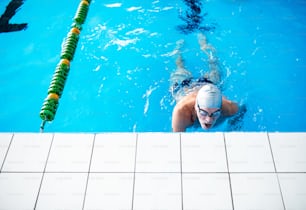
{"points": [[52, 172], [134, 177], [226, 156], [88, 173], [271, 152], [228, 172], [279, 185], [129, 172], [291, 172], [181, 166], [43, 174], [5, 156]]}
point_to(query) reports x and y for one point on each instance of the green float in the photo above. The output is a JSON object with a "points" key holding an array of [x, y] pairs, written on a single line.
{"points": [[57, 84]]}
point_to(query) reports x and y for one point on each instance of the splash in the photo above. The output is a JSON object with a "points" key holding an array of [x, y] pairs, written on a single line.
{"points": [[114, 5], [147, 97], [131, 9]]}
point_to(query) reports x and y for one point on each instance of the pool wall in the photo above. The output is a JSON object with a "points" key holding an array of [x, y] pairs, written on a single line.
{"points": [[153, 170]]}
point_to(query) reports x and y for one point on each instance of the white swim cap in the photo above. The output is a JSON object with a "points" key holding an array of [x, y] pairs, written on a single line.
{"points": [[209, 96]]}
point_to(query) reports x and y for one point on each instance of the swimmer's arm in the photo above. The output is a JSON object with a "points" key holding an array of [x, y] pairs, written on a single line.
{"points": [[181, 119], [229, 108]]}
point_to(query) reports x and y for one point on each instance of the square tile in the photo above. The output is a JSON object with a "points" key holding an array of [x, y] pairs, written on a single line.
{"points": [[62, 191], [157, 191], [28, 152], [294, 190], [205, 191], [5, 140], [109, 191], [114, 152], [203, 152], [19, 190], [70, 153], [249, 152], [256, 191], [158, 152], [289, 151]]}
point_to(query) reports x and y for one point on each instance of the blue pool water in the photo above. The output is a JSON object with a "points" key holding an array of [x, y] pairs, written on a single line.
{"points": [[119, 77]]}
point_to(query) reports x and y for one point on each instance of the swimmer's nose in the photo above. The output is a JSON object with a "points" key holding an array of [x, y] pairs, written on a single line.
{"points": [[209, 119]]}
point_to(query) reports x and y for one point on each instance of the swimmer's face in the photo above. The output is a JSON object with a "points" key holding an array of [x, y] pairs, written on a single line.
{"points": [[207, 116]]}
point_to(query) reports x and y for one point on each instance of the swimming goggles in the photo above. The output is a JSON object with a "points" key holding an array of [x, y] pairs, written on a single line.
{"points": [[205, 113]]}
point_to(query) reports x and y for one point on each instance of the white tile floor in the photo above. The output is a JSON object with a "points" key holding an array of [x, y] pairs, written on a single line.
{"points": [[153, 171]]}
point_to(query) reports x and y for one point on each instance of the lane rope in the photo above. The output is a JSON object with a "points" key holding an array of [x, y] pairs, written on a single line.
{"points": [[57, 84]]}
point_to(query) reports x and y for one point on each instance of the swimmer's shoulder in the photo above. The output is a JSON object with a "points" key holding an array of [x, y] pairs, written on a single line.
{"points": [[229, 108], [187, 102], [183, 113]]}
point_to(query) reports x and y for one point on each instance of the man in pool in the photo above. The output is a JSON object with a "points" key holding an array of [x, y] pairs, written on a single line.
{"points": [[200, 101]]}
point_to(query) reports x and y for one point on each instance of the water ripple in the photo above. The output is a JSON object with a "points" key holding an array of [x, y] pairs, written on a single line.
{"points": [[114, 5]]}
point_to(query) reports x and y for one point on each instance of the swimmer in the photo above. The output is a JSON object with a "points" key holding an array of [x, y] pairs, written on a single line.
{"points": [[199, 101]]}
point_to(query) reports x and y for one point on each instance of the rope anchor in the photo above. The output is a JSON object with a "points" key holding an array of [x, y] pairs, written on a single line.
{"points": [[56, 87]]}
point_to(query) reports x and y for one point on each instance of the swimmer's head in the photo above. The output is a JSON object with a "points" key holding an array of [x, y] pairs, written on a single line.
{"points": [[209, 96], [208, 105]]}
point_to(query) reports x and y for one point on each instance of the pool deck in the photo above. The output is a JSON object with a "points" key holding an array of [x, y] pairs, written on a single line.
{"points": [[153, 171]]}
